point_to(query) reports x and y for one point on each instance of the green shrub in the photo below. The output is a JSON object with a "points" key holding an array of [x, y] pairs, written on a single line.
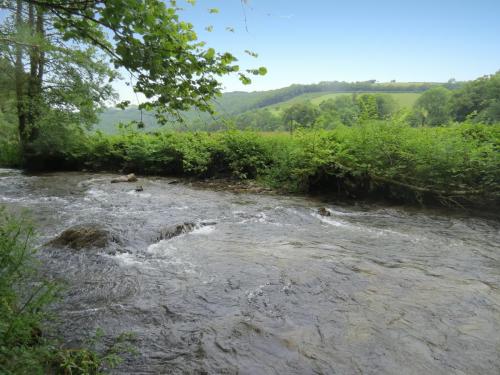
{"points": [[22, 301], [245, 154]]}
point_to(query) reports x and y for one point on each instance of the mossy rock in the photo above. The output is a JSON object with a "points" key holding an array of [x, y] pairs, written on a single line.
{"points": [[84, 236]]}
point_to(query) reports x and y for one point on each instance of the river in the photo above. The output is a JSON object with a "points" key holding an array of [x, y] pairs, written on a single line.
{"points": [[270, 286]]}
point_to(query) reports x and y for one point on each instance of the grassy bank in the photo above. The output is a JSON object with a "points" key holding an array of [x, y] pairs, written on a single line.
{"points": [[456, 164]]}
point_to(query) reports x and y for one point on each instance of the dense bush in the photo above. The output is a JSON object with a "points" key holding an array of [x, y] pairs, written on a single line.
{"points": [[455, 164], [453, 161]]}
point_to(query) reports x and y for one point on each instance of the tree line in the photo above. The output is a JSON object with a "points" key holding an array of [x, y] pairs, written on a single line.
{"points": [[476, 101], [287, 93]]}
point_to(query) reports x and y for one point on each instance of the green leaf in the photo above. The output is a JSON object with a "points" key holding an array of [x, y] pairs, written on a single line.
{"points": [[210, 54], [251, 53], [244, 79], [124, 104]]}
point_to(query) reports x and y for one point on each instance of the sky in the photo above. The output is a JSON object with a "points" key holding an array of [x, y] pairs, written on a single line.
{"points": [[325, 40]]}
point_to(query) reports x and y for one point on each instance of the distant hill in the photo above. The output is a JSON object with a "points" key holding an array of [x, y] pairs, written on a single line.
{"points": [[238, 102]]}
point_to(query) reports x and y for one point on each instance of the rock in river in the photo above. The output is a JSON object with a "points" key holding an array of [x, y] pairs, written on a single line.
{"points": [[128, 178], [176, 230], [84, 237], [324, 211]]}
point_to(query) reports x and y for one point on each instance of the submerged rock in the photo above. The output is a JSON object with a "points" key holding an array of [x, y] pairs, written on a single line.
{"points": [[324, 211], [84, 237], [128, 178], [139, 188], [176, 230]]}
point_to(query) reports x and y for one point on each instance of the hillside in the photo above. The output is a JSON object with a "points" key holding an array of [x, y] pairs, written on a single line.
{"points": [[236, 103], [403, 99]]}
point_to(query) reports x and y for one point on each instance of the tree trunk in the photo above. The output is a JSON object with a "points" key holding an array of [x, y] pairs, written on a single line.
{"points": [[29, 85], [30, 104], [36, 73], [41, 33], [21, 112]]}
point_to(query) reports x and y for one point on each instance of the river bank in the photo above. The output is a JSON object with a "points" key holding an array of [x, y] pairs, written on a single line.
{"points": [[455, 165]]}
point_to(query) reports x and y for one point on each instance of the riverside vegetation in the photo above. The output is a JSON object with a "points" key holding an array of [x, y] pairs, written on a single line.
{"points": [[456, 164]]}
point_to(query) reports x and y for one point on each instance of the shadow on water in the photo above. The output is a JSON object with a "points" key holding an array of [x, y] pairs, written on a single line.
{"points": [[270, 286]]}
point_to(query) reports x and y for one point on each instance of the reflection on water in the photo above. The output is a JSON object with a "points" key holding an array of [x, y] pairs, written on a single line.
{"points": [[272, 287]]}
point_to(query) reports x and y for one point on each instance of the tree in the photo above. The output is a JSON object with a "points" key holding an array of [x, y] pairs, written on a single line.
{"points": [[9, 136], [386, 106], [63, 53], [300, 114], [342, 109], [478, 100], [262, 119], [432, 108], [368, 108]]}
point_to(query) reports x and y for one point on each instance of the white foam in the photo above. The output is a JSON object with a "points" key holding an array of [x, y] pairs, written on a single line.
{"points": [[53, 199], [126, 258], [261, 217], [96, 193], [340, 223], [181, 208], [161, 247], [139, 194], [9, 199], [33, 200], [328, 220], [90, 181], [204, 230]]}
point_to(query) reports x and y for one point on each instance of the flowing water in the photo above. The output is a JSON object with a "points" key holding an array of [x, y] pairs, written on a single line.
{"points": [[270, 287]]}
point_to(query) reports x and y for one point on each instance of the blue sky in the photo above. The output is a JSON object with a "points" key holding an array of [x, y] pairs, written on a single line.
{"points": [[324, 40]]}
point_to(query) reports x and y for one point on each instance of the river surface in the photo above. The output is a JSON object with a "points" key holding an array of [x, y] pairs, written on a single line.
{"points": [[272, 287]]}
